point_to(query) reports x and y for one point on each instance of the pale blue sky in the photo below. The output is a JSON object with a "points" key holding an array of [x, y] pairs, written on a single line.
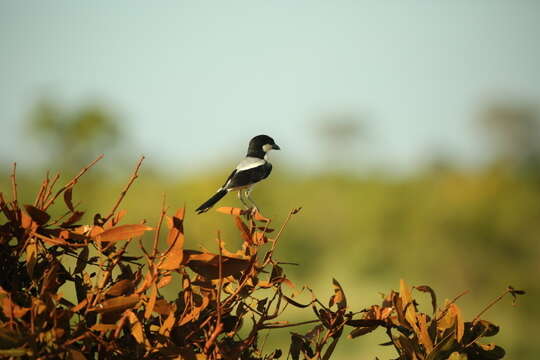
{"points": [[195, 80]]}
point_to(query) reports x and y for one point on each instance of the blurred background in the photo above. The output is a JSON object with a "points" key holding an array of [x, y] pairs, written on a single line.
{"points": [[410, 133]]}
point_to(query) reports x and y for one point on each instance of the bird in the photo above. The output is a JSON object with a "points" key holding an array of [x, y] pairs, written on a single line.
{"points": [[253, 168]]}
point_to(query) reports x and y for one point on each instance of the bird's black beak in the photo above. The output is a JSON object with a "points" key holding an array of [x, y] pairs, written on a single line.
{"points": [[276, 147]]}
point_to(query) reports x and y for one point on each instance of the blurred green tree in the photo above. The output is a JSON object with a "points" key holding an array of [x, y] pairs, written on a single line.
{"points": [[341, 134], [514, 132], [73, 137]]}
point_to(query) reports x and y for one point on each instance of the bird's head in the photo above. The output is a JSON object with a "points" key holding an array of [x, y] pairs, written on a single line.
{"points": [[260, 145]]}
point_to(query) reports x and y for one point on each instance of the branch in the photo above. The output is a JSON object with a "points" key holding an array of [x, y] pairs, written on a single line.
{"points": [[134, 176], [71, 182]]}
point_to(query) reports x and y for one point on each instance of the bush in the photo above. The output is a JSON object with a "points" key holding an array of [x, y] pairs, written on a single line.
{"points": [[225, 300]]}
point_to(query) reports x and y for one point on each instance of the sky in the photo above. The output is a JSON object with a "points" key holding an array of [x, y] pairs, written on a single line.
{"points": [[192, 81]]}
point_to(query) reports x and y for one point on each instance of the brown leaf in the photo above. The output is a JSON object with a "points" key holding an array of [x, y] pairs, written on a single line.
{"points": [[123, 232], [26, 221], [410, 311], [162, 307], [259, 238], [79, 306], [103, 327], [75, 216], [151, 302], [9, 308], [118, 303], [361, 331], [176, 226], [447, 320], [164, 281], [484, 328], [76, 355], [38, 215], [175, 253], [460, 328], [259, 217], [491, 351], [136, 327], [295, 303], [339, 296], [121, 287], [116, 219], [81, 260], [31, 256], [423, 335], [244, 231], [167, 325], [207, 265], [67, 198], [148, 280], [425, 288]]}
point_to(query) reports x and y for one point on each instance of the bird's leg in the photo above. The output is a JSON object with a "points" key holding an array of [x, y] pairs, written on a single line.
{"points": [[241, 197], [248, 193]]}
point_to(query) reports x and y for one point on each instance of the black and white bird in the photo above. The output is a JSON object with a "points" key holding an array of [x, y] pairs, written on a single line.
{"points": [[252, 169]]}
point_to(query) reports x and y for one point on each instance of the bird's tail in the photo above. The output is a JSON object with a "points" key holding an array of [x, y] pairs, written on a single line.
{"points": [[212, 201]]}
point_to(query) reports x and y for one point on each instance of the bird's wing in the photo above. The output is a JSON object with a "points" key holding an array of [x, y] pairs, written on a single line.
{"points": [[249, 163], [249, 176], [225, 185]]}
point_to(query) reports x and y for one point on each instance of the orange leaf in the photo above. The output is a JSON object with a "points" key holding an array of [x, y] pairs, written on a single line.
{"points": [[259, 238], [460, 327], [103, 327], [31, 256], [176, 226], [164, 281], [26, 220], [174, 254], [423, 336], [207, 265], [118, 303], [151, 302], [259, 217], [244, 231], [123, 232], [136, 327], [120, 288], [165, 329], [79, 306], [148, 279]]}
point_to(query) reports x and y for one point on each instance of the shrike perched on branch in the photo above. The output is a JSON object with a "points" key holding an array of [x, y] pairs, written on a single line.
{"points": [[252, 169]]}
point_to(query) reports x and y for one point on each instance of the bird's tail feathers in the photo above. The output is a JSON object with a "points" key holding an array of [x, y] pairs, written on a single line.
{"points": [[212, 201]]}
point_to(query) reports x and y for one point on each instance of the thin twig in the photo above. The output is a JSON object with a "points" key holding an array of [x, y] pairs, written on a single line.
{"points": [[271, 251], [490, 305], [450, 303], [134, 176], [219, 325], [285, 324], [71, 182], [14, 184], [220, 271], [48, 192], [40, 192], [158, 230]]}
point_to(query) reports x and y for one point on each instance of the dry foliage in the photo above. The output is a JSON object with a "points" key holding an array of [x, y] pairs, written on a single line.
{"points": [[224, 300]]}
